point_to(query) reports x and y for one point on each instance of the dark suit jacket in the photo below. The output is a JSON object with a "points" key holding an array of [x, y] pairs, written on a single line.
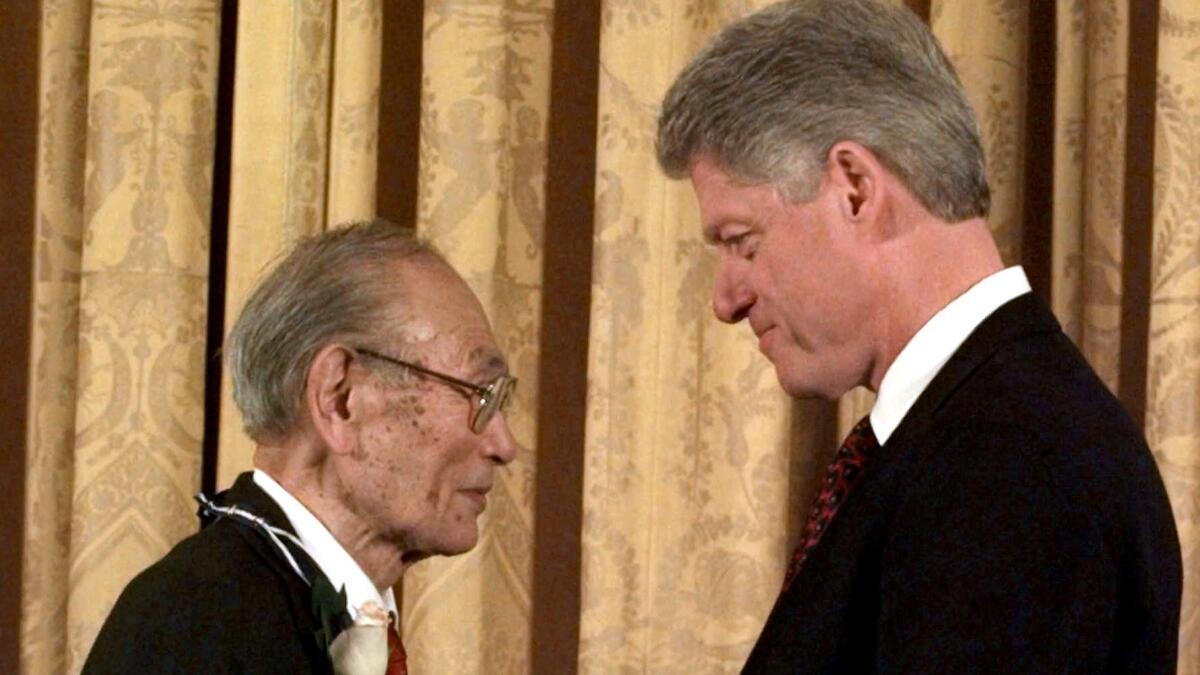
{"points": [[223, 600], [1015, 522]]}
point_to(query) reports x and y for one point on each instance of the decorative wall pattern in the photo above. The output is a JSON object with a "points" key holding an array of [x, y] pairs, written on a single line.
{"points": [[481, 201], [125, 201], [1089, 178], [692, 467], [280, 161], [697, 468], [53, 373], [986, 42], [1173, 396], [354, 111]]}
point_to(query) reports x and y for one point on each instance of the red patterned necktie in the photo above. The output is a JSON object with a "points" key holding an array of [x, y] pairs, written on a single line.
{"points": [[397, 657], [844, 471]]}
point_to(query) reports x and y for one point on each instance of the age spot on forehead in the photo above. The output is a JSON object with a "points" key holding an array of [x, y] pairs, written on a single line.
{"points": [[419, 331]]}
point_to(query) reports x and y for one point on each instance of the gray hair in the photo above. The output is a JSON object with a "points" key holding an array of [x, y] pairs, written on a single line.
{"points": [[772, 93], [338, 285]]}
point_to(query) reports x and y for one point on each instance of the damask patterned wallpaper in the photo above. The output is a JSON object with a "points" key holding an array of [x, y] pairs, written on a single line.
{"points": [[694, 467]]}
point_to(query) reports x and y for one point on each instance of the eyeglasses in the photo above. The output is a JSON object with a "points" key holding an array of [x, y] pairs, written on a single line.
{"points": [[492, 396]]}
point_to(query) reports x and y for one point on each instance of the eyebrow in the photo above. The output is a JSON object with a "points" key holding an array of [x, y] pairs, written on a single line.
{"points": [[492, 363]]}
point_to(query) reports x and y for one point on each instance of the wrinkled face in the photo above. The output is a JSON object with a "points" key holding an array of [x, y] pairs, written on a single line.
{"points": [[420, 476], [799, 273]]}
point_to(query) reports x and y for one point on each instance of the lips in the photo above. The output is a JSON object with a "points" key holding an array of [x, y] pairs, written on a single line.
{"points": [[762, 339], [760, 329], [479, 497]]}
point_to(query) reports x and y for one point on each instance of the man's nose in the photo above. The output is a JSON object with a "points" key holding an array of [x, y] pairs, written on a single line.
{"points": [[732, 296], [499, 444]]}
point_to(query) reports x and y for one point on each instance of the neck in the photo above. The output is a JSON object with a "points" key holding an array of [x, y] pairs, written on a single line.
{"points": [[309, 477], [924, 269]]}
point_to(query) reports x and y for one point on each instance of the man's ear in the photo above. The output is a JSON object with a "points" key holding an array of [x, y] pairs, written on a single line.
{"points": [[327, 398], [859, 180]]}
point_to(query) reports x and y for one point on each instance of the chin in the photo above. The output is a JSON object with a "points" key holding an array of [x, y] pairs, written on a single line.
{"points": [[805, 394], [460, 544], [446, 542], [803, 387]]}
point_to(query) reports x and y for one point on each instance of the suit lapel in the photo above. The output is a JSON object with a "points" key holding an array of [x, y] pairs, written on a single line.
{"points": [[247, 495], [1021, 317]]}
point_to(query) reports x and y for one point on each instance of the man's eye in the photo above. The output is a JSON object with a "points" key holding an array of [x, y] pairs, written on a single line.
{"points": [[742, 245]]}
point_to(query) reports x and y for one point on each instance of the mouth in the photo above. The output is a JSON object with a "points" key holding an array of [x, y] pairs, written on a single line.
{"points": [[762, 338], [478, 497], [758, 327]]}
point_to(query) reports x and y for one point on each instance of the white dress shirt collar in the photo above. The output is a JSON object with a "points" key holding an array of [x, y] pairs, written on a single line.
{"points": [[324, 549], [933, 345]]}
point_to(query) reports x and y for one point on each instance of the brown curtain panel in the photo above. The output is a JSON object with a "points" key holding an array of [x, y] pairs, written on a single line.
{"points": [[645, 527]]}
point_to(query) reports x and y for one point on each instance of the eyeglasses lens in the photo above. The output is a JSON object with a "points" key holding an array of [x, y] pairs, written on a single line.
{"points": [[496, 398]]}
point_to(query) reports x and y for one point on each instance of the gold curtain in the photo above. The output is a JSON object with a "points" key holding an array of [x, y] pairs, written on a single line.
{"points": [[1089, 152], [1173, 377], [688, 498], [305, 133], [480, 200], [986, 42], [119, 308], [696, 467]]}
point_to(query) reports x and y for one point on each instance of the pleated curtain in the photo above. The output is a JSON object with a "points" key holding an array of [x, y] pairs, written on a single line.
{"points": [[694, 468]]}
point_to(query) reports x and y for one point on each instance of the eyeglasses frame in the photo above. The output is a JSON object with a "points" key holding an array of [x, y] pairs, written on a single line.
{"points": [[500, 388]]}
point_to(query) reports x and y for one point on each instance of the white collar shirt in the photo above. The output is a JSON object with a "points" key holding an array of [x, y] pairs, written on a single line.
{"points": [[339, 567], [933, 345]]}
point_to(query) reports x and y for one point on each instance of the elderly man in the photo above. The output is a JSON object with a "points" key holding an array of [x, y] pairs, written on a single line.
{"points": [[997, 511], [368, 376]]}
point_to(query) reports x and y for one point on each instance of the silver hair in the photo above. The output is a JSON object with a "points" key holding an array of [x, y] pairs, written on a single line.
{"points": [[339, 285], [772, 93]]}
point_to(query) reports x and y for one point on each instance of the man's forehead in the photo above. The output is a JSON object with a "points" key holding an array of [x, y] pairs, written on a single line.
{"points": [[435, 299], [443, 320], [708, 174], [706, 184], [722, 198], [465, 346]]}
